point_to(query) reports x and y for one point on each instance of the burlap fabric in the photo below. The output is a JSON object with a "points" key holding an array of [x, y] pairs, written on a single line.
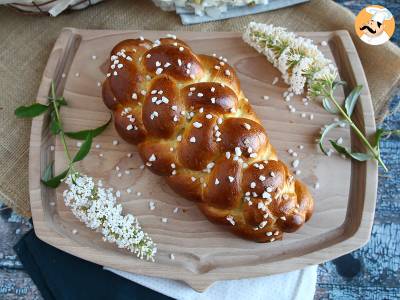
{"points": [[26, 41]]}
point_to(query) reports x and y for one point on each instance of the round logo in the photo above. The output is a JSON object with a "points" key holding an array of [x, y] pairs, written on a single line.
{"points": [[374, 25]]}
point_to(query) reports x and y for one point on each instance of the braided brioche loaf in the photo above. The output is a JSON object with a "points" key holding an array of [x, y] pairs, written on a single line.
{"points": [[193, 125]]}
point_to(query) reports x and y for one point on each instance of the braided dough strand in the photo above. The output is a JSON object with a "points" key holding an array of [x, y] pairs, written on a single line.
{"points": [[193, 125]]}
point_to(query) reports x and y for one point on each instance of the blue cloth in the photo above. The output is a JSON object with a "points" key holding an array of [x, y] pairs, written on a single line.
{"points": [[373, 271]]}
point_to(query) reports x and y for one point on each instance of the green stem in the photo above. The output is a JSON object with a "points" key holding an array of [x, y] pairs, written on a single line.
{"points": [[62, 135], [374, 152]]}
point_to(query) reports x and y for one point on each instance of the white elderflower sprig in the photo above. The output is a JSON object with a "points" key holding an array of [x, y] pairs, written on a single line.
{"points": [[297, 58], [303, 65], [97, 208]]}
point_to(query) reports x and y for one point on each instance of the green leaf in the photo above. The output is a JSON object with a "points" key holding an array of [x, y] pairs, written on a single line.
{"points": [[324, 133], [377, 138], [355, 155], [48, 172], [351, 99], [389, 133], [54, 127], [81, 135], [84, 149], [361, 156], [55, 181], [328, 107], [31, 111], [380, 134]]}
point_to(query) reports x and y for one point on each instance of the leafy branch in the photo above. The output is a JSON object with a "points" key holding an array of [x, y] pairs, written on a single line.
{"points": [[57, 128], [325, 89], [303, 65]]}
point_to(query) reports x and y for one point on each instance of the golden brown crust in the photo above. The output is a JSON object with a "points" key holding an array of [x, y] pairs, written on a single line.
{"points": [[193, 125]]}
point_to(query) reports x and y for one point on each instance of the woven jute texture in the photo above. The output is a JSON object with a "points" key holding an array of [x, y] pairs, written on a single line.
{"points": [[26, 41]]}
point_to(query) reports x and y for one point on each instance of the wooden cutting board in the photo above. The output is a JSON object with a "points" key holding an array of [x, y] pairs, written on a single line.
{"points": [[204, 252]]}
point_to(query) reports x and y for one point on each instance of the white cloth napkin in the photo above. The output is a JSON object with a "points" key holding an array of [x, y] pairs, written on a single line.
{"points": [[296, 285]]}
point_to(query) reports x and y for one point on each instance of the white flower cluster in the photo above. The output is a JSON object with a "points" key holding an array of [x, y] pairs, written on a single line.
{"points": [[97, 208], [212, 8], [297, 58]]}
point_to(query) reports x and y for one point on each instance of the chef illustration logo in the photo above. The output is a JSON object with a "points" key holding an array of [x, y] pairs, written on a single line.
{"points": [[374, 25]]}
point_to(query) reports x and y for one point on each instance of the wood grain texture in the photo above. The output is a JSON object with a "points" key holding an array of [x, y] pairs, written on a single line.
{"points": [[204, 252]]}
